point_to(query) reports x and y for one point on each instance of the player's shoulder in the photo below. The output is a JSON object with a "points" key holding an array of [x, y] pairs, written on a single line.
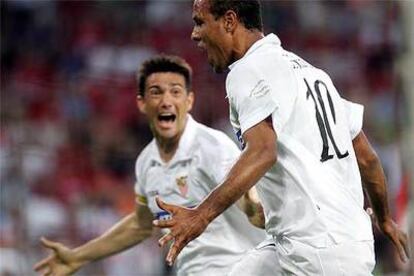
{"points": [[145, 156], [260, 63], [211, 140]]}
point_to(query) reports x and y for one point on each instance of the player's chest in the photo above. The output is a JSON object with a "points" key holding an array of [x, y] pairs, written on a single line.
{"points": [[180, 183]]}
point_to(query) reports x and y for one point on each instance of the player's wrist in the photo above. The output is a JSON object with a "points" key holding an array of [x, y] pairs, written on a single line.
{"points": [[386, 225], [79, 259], [205, 214]]}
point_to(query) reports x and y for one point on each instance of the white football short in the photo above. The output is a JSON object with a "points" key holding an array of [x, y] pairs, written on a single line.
{"points": [[262, 260], [356, 258]]}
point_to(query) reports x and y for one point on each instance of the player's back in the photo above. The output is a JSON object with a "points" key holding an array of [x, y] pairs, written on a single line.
{"points": [[312, 195], [314, 192]]}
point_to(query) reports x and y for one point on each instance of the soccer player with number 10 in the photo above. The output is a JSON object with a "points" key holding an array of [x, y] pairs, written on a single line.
{"points": [[303, 145]]}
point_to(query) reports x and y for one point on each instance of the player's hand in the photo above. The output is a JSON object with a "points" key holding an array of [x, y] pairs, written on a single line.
{"points": [[398, 238], [185, 225], [253, 209], [61, 262]]}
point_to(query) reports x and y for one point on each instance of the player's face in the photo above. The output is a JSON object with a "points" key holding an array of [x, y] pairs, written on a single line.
{"points": [[166, 103], [211, 36]]}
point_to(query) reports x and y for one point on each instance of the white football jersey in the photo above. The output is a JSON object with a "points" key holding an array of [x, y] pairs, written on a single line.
{"points": [[313, 193], [203, 157]]}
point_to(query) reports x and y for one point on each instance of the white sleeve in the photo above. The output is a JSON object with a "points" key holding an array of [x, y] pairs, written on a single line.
{"points": [[257, 92], [354, 114], [140, 196]]}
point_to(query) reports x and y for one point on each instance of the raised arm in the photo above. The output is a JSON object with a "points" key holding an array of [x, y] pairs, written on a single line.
{"points": [[256, 159], [374, 182], [128, 232]]}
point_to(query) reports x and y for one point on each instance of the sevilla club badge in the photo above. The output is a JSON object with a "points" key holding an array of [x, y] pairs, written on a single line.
{"points": [[182, 185]]}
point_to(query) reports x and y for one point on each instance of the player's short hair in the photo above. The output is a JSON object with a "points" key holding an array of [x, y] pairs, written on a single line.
{"points": [[167, 64], [248, 11]]}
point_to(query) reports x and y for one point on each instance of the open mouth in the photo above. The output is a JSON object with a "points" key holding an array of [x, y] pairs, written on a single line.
{"points": [[166, 119]]}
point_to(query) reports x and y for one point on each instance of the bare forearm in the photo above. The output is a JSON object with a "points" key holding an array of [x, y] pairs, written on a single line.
{"points": [[374, 182], [121, 236], [373, 177], [251, 166]]}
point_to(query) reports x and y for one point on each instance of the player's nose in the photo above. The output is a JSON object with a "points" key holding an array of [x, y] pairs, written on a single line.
{"points": [[195, 35], [166, 100]]}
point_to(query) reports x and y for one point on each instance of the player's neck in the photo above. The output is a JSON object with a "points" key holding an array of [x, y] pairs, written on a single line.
{"points": [[244, 41], [167, 147]]}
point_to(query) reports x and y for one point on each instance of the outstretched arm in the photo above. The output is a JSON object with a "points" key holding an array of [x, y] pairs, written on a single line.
{"points": [[256, 159], [374, 182], [126, 233]]}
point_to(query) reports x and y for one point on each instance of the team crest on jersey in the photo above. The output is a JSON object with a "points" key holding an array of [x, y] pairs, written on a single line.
{"points": [[182, 185]]}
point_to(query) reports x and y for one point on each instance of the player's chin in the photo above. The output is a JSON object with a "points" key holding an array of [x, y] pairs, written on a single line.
{"points": [[167, 133], [217, 68]]}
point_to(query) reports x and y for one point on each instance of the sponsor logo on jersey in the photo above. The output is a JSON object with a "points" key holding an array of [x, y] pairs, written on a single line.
{"points": [[260, 89]]}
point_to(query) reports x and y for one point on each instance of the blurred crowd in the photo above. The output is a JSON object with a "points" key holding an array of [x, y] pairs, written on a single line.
{"points": [[70, 129]]}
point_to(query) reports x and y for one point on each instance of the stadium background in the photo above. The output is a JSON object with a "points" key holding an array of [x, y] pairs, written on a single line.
{"points": [[70, 130]]}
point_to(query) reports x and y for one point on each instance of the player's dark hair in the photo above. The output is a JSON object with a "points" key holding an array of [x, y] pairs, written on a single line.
{"points": [[164, 63], [248, 11]]}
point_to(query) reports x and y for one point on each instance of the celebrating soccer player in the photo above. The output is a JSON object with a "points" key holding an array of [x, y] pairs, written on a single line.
{"points": [[183, 163], [301, 139]]}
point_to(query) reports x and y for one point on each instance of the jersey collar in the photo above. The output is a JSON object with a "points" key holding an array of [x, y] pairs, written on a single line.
{"points": [[269, 39], [186, 144]]}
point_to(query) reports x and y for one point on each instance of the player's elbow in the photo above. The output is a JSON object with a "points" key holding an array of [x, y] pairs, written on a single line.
{"points": [[368, 162], [271, 157], [146, 233], [268, 153], [145, 228], [142, 232], [142, 226]]}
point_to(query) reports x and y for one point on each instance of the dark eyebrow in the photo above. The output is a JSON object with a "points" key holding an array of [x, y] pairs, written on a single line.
{"points": [[176, 83], [171, 84], [154, 86]]}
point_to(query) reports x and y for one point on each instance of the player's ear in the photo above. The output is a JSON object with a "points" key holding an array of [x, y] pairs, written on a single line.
{"points": [[230, 21], [141, 104], [190, 101]]}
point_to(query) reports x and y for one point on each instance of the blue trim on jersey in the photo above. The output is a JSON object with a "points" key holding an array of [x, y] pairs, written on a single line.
{"points": [[161, 214], [240, 138], [164, 214]]}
